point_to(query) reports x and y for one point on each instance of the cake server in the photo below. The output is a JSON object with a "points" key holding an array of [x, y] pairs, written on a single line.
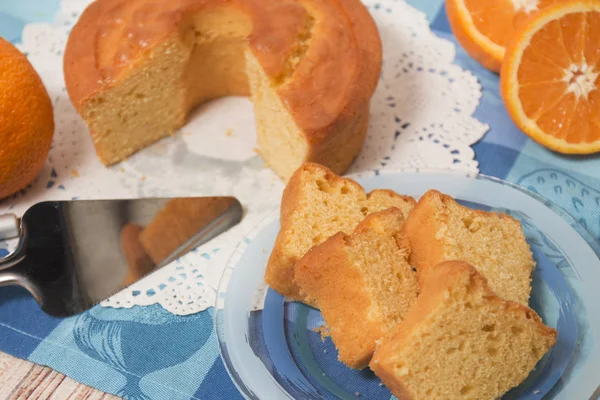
{"points": [[71, 255]]}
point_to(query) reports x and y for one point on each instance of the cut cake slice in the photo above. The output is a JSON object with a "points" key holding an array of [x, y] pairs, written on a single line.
{"points": [[461, 341], [362, 283], [317, 204], [439, 229]]}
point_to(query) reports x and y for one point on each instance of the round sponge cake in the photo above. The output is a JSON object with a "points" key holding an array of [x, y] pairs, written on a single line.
{"points": [[134, 69]]}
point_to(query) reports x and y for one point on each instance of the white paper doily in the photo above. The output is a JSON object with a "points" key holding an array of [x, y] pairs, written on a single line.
{"points": [[421, 117]]}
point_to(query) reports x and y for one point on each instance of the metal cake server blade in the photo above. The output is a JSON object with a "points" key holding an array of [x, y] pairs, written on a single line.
{"points": [[73, 254]]}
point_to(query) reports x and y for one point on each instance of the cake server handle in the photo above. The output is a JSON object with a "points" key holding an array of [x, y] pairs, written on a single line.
{"points": [[10, 227]]}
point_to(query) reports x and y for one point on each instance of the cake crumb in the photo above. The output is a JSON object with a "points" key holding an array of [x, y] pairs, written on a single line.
{"points": [[357, 394], [229, 132], [74, 173], [323, 330], [121, 169], [188, 134], [536, 392], [143, 178], [264, 251]]}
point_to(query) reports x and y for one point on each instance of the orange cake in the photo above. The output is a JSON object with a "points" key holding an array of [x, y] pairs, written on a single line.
{"points": [[360, 277], [461, 341], [439, 229], [317, 204], [134, 69]]}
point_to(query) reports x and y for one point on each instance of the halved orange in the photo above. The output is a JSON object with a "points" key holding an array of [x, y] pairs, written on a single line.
{"points": [[550, 78], [483, 27]]}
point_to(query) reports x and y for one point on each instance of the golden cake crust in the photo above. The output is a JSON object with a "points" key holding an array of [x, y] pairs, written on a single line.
{"points": [[336, 76]]}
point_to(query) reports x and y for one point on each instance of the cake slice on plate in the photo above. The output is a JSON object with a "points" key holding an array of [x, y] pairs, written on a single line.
{"points": [[439, 229], [461, 341], [362, 284], [316, 205]]}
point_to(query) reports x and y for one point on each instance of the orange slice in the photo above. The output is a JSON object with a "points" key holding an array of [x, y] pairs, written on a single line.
{"points": [[482, 27], [551, 77]]}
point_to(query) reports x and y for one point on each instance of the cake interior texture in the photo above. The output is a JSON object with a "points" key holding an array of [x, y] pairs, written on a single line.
{"points": [[440, 229], [208, 55], [461, 341], [362, 283], [316, 205], [206, 60]]}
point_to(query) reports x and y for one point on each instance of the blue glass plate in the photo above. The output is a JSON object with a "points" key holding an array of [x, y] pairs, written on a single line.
{"points": [[277, 351]]}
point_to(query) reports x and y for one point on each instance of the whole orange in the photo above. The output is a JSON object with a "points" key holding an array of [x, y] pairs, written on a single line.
{"points": [[26, 121]]}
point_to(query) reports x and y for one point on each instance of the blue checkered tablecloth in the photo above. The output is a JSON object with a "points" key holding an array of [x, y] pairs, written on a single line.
{"points": [[150, 353]]}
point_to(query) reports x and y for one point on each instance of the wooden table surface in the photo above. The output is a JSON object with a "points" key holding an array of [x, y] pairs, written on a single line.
{"points": [[23, 380]]}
